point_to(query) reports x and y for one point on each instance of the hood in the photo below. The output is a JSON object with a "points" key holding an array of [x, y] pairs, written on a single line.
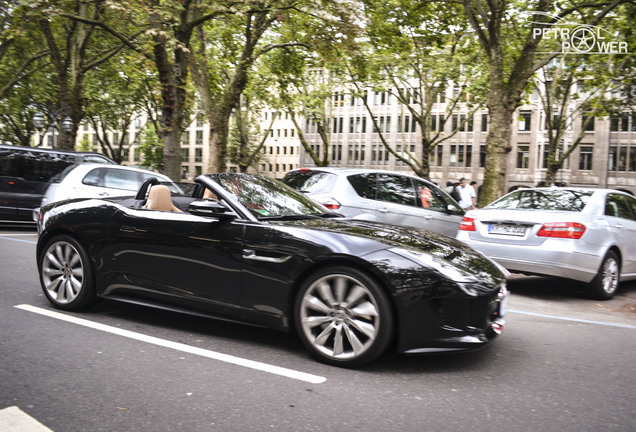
{"points": [[385, 236]]}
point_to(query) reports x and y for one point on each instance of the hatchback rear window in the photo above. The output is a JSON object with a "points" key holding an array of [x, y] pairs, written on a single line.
{"points": [[559, 199], [312, 182]]}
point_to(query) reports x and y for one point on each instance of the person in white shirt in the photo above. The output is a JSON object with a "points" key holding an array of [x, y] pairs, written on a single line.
{"points": [[467, 195]]}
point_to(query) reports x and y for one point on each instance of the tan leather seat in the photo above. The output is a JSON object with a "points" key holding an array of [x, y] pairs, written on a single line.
{"points": [[159, 199], [208, 194]]}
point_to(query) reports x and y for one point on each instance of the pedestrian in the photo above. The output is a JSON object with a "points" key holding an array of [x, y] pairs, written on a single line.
{"points": [[467, 195], [474, 185]]}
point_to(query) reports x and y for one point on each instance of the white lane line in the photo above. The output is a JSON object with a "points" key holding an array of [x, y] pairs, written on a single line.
{"points": [[264, 367], [13, 419], [627, 326], [2, 237]]}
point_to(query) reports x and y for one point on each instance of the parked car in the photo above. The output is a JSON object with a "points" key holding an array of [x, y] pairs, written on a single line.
{"points": [[25, 174], [377, 195], [588, 235], [98, 181], [262, 253]]}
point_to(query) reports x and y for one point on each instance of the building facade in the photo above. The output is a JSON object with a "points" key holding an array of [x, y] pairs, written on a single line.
{"points": [[606, 156]]}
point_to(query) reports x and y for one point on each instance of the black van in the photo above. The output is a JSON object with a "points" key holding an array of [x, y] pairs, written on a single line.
{"points": [[25, 173]]}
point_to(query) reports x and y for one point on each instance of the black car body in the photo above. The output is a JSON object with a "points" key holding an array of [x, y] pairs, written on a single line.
{"points": [[262, 253]]}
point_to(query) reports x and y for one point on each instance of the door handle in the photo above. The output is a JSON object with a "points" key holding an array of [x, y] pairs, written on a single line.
{"points": [[250, 254], [383, 210]]}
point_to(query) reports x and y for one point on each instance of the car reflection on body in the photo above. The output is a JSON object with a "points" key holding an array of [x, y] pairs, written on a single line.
{"points": [[262, 253], [588, 235]]}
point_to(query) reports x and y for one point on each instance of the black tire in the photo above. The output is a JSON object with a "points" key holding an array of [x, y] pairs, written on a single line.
{"points": [[343, 317], [66, 274], [605, 284]]}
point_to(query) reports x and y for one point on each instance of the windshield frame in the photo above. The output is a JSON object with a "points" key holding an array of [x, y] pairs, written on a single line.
{"points": [[266, 199]]}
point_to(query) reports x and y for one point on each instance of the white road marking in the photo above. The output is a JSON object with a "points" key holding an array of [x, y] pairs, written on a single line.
{"points": [[13, 419], [264, 367], [4, 237], [627, 326]]}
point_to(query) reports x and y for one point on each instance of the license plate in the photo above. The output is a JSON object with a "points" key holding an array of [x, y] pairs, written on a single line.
{"points": [[513, 230]]}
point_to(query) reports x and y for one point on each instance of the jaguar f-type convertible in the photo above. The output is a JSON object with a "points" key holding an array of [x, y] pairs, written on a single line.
{"points": [[250, 249]]}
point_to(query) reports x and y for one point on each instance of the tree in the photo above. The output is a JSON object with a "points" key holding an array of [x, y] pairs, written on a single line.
{"points": [[246, 139], [151, 150], [118, 94], [421, 53], [510, 45], [75, 46], [573, 89], [227, 52]]}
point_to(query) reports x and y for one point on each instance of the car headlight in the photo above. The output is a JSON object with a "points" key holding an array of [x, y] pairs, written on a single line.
{"points": [[462, 278]]}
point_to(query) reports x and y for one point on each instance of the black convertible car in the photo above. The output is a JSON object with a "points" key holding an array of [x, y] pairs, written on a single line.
{"points": [[250, 249]]}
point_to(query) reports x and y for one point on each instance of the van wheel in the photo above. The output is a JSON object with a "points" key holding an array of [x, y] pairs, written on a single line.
{"points": [[605, 284], [66, 274]]}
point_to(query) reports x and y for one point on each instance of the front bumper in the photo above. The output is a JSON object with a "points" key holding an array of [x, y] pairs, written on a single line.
{"points": [[457, 324]]}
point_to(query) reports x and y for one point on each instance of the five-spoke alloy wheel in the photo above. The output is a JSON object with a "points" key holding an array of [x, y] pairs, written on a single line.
{"points": [[343, 316]]}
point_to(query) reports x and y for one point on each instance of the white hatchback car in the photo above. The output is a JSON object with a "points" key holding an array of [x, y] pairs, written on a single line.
{"points": [[97, 181], [382, 196]]}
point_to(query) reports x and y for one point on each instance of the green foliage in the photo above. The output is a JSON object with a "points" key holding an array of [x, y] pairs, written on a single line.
{"points": [[151, 149]]}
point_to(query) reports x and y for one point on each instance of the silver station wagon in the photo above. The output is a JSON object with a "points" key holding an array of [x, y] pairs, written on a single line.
{"points": [[583, 234]]}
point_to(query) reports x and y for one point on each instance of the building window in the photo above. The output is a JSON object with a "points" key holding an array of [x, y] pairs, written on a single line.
{"points": [[612, 158], [588, 123], [585, 157], [198, 155], [484, 122], [185, 155], [459, 155], [523, 156], [525, 121], [436, 155]]}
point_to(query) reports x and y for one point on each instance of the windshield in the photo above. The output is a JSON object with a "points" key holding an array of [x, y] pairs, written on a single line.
{"points": [[548, 199], [267, 198]]}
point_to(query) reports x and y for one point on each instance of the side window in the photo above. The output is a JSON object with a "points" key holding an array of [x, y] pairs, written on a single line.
{"points": [[396, 189], [616, 206], [364, 185], [94, 177], [429, 196], [121, 179], [632, 203]]}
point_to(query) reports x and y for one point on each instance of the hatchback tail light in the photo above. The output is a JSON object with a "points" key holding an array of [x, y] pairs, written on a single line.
{"points": [[331, 204], [467, 224], [570, 230]]}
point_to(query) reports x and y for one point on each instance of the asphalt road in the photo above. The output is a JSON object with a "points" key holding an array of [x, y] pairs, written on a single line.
{"points": [[563, 363]]}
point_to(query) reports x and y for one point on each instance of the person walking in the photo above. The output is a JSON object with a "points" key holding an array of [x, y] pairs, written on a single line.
{"points": [[467, 195]]}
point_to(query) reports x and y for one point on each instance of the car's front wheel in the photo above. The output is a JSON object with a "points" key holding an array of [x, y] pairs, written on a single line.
{"points": [[66, 274], [605, 284], [343, 316]]}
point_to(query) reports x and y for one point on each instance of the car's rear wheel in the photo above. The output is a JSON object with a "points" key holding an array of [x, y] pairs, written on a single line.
{"points": [[605, 284], [343, 316], [66, 274]]}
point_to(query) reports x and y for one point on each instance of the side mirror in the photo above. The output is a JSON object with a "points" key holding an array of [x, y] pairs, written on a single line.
{"points": [[210, 208]]}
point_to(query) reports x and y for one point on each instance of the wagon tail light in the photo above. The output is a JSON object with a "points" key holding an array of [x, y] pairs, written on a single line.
{"points": [[467, 224], [331, 204], [569, 230]]}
